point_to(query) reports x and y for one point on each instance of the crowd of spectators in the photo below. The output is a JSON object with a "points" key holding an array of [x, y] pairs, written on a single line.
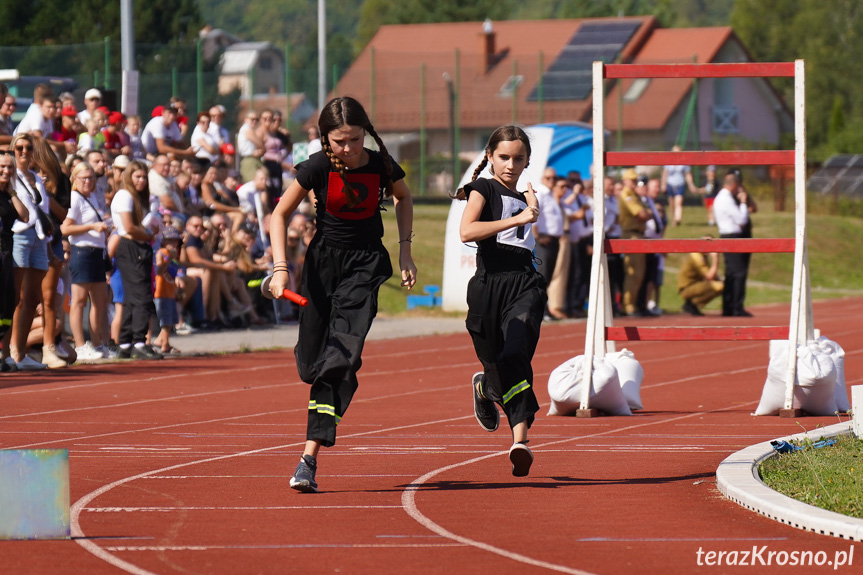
{"points": [[635, 208], [146, 226]]}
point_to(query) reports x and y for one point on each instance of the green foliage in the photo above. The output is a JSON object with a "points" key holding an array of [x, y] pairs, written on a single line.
{"points": [[824, 33]]}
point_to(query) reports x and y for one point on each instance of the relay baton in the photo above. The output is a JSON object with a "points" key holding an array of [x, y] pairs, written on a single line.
{"points": [[287, 294]]}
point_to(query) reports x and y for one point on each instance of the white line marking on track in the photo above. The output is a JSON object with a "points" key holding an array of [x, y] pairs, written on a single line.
{"points": [[122, 548], [409, 497], [105, 555], [216, 508]]}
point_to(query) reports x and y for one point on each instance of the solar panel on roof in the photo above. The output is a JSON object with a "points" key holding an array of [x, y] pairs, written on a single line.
{"points": [[569, 77], [841, 174]]}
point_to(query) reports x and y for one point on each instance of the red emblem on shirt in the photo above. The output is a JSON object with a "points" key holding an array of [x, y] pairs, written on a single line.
{"points": [[367, 188]]}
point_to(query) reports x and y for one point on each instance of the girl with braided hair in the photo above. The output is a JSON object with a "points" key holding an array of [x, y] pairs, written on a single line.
{"points": [[507, 296], [345, 264]]}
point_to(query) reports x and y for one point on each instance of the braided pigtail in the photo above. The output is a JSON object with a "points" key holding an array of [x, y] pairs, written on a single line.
{"points": [[350, 193], [460, 193], [387, 159]]}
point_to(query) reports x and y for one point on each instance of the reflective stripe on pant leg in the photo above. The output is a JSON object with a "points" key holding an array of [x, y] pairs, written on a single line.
{"points": [[515, 390], [324, 409]]}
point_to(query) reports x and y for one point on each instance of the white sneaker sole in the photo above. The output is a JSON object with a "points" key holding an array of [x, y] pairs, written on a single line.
{"points": [[303, 486], [521, 458]]}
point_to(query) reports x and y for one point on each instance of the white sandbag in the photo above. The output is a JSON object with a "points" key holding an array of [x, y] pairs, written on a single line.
{"points": [[564, 388], [835, 351], [816, 380], [630, 373]]}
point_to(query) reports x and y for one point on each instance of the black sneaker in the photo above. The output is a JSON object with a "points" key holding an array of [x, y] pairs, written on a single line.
{"points": [[521, 458], [691, 308], [124, 352], [484, 409], [144, 352], [304, 477]]}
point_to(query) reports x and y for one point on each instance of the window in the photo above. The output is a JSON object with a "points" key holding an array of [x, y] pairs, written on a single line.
{"points": [[266, 63], [509, 86], [636, 89]]}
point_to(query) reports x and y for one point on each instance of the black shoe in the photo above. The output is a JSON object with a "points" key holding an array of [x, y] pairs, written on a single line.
{"points": [[484, 409], [124, 352], [304, 477], [144, 352], [742, 313], [691, 308]]}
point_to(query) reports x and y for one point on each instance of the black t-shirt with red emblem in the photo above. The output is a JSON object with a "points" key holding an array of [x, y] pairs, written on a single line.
{"points": [[335, 219]]}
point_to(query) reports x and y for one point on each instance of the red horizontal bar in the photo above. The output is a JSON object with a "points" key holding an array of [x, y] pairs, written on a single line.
{"points": [[736, 70], [718, 333], [722, 246], [735, 158]]}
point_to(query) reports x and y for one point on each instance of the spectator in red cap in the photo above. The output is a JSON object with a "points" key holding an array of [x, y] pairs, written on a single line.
{"points": [[112, 139], [229, 154], [70, 128], [161, 135]]}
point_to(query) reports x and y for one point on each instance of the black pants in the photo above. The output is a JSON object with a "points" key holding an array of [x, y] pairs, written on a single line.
{"points": [[135, 262], [341, 283], [615, 277], [578, 281], [503, 319], [547, 256], [736, 270]]}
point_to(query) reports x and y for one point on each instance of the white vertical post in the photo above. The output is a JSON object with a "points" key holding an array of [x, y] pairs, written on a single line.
{"points": [[800, 324], [322, 54], [593, 340]]}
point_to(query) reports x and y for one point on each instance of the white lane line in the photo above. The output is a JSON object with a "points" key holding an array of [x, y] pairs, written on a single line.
{"points": [[175, 374], [216, 508], [104, 555], [409, 495], [123, 548]]}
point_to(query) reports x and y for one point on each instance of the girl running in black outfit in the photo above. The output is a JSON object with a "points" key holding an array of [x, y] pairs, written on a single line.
{"points": [[506, 297], [345, 265]]}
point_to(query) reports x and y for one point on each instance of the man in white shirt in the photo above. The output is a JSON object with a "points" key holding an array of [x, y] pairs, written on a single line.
{"points": [[549, 224], [161, 188], [162, 135], [216, 130], [92, 100], [731, 209]]}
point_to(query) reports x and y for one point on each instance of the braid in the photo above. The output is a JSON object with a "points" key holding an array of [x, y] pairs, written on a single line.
{"points": [[385, 156], [350, 193], [460, 195]]}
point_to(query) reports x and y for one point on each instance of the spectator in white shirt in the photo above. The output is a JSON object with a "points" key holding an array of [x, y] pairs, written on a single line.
{"points": [[731, 209], [162, 135]]}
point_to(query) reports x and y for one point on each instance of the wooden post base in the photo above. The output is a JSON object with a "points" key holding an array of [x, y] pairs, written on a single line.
{"points": [[587, 413], [794, 412]]}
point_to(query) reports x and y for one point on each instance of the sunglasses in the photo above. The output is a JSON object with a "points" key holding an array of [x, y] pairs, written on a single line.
{"points": [[7, 153], [21, 149]]}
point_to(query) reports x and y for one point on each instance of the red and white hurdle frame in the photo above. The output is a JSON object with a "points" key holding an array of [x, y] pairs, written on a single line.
{"points": [[601, 333]]}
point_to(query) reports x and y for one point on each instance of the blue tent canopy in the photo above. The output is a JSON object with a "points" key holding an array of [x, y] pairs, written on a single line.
{"points": [[571, 148]]}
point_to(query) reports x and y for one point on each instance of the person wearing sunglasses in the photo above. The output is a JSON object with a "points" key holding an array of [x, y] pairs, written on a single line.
{"points": [[59, 192], [29, 252], [87, 232], [11, 210]]}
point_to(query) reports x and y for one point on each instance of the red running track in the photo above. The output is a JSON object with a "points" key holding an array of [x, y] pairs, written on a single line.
{"points": [[182, 466]]}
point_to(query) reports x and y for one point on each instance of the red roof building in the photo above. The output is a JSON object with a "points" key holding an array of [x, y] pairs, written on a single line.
{"points": [[539, 71]]}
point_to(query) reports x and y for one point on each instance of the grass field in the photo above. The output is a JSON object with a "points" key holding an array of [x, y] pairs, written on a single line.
{"points": [[833, 243], [830, 477]]}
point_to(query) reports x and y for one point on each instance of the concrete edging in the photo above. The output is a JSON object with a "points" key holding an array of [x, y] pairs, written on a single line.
{"points": [[737, 479]]}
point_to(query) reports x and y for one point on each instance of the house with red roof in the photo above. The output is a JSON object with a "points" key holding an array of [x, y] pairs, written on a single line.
{"points": [[467, 78]]}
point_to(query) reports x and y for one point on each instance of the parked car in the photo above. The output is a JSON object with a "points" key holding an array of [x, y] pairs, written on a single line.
{"points": [[21, 87]]}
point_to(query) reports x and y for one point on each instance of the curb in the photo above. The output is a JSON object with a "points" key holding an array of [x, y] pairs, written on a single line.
{"points": [[737, 479]]}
